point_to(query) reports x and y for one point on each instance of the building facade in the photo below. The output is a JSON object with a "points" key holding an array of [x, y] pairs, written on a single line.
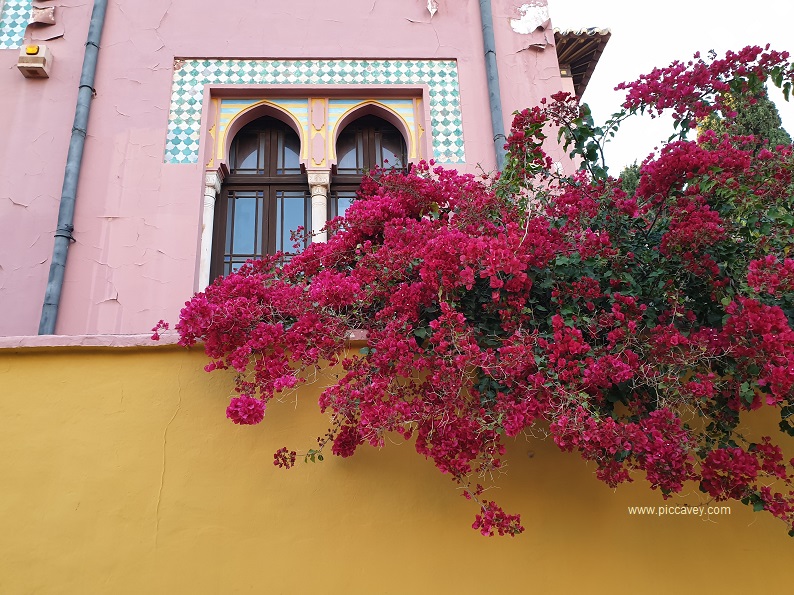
{"points": [[175, 83], [214, 130]]}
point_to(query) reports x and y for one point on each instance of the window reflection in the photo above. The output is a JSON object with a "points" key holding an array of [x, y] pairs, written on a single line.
{"points": [[246, 233], [246, 152], [391, 149], [290, 215], [350, 152], [289, 154]]}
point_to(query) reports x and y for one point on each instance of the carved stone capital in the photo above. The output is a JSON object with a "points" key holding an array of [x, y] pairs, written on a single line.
{"points": [[319, 181], [212, 183]]}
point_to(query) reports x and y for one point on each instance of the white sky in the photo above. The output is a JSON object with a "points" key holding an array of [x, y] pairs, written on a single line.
{"points": [[649, 34]]}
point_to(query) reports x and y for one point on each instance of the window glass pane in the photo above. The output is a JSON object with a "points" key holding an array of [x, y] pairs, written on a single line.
{"points": [[392, 150], [261, 215], [246, 226], [229, 219], [232, 263], [290, 215], [289, 161], [348, 152], [246, 151], [344, 198], [361, 156]]}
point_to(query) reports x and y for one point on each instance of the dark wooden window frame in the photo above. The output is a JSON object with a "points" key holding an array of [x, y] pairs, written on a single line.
{"points": [[268, 179]]}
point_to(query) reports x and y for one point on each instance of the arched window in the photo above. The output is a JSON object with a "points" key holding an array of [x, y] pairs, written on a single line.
{"points": [[364, 144], [264, 198]]}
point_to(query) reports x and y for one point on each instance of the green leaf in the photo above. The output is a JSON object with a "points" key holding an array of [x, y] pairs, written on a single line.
{"points": [[786, 427], [622, 455], [747, 393]]}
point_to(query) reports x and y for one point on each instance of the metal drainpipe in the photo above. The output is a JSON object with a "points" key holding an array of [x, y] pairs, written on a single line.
{"points": [[63, 233], [492, 73]]}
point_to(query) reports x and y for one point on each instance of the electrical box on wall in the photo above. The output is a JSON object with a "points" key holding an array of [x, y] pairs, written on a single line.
{"points": [[35, 61]]}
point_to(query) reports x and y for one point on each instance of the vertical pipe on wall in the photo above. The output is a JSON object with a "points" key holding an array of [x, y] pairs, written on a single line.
{"points": [[74, 158], [492, 74]]}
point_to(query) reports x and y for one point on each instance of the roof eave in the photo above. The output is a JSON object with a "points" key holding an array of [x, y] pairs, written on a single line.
{"points": [[581, 49]]}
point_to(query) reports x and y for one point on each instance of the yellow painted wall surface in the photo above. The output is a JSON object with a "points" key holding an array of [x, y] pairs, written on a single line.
{"points": [[120, 474]]}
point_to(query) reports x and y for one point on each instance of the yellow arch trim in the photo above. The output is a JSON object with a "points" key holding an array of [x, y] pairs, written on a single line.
{"points": [[298, 126]]}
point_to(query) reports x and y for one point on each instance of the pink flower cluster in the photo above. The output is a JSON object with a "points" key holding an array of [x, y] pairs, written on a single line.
{"points": [[246, 410], [493, 520], [687, 88], [769, 275], [658, 445], [284, 458]]}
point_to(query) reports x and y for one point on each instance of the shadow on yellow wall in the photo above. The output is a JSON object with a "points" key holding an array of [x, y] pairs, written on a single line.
{"points": [[120, 474]]}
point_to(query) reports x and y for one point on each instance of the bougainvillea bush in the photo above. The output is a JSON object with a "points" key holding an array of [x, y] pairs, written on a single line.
{"points": [[634, 330]]}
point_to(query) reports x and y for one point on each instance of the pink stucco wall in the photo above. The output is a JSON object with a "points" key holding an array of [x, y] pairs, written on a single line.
{"points": [[138, 219]]}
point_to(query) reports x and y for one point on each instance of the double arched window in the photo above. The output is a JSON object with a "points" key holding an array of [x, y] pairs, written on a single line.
{"points": [[265, 197]]}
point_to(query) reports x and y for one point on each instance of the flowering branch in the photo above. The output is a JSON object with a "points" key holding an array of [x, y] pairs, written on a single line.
{"points": [[637, 329]]}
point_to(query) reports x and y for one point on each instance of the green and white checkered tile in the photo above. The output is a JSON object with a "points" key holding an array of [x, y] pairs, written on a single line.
{"points": [[13, 22], [190, 76]]}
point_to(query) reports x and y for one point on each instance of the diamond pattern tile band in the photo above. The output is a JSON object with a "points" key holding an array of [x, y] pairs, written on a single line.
{"points": [[13, 22], [190, 76]]}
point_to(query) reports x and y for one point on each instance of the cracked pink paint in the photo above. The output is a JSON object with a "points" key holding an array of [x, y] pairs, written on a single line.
{"points": [[138, 221]]}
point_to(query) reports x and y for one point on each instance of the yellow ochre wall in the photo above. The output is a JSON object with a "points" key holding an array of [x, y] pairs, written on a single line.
{"points": [[120, 474]]}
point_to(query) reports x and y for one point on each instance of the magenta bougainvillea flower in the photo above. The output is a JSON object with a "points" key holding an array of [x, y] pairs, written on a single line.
{"points": [[246, 410], [635, 326]]}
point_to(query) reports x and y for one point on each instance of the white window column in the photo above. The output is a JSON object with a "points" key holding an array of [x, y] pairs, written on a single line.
{"points": [[320, 184], [212, 187]]}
